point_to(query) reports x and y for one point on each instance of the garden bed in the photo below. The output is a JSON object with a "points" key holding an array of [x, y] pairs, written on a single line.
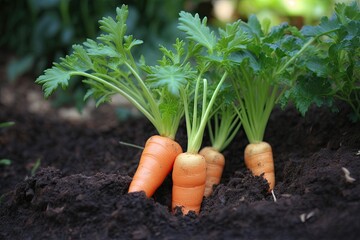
{"points": [[80, 189]]}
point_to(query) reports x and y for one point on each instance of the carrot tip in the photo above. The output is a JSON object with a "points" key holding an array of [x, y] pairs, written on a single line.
{"points": [[259, 159], [155, 164]]}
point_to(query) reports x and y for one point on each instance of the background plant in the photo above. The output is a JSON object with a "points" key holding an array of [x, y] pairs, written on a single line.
{"points": [[334, 71], [38, 33]]}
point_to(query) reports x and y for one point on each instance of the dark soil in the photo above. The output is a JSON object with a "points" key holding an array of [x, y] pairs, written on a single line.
{"points": [[80, 189]]}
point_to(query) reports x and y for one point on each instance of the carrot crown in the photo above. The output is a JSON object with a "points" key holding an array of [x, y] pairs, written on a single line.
{"points": [[223, 126]]}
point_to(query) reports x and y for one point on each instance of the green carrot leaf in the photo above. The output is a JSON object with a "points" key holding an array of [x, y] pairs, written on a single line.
{"points": [[197, 30], [326, 26], [310, 90], [255, 26], [345, 12], [232, 39], [115, 30], [53, 78], [172, 77]]}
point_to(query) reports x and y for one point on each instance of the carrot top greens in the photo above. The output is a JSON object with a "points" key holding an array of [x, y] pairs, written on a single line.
{"points": [[223, 127], [108, 67], [316, 64], [200, 98], [267, 65], [264, 70]]}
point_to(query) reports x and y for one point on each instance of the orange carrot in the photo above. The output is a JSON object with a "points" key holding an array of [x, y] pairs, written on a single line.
{"points": [[156, 162], [189, 176], [189, 172], [223, 127], [259, 159], [215, 162]]}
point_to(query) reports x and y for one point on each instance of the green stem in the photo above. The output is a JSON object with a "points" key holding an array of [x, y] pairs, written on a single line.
{"points": [[225, 128], [293, 58], [120, 91], [129, 89], [306, 45], [195, 116], [154, 108], [194, 143]]}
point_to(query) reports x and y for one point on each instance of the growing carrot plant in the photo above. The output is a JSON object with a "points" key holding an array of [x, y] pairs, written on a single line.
{"points": [[201, 103], [108, 67], [266, 65]]}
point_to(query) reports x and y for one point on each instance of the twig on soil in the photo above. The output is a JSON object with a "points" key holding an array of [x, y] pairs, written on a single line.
{"points": [[131, 145], [273, 194], [348, 178], [307, 216]]}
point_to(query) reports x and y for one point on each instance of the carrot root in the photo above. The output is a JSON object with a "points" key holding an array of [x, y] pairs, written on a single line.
{"points": [[155, 164], [189, 176], [215, 162], [259, 159]]}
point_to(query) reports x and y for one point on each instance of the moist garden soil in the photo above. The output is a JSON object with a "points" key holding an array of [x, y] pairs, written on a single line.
{"points": [[69, 181]]}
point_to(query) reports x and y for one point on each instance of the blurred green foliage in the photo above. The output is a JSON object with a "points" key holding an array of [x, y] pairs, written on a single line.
{"points": [[296, 12], [39, 32]]}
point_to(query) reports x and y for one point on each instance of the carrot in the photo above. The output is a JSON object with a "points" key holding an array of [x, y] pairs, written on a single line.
{"points": [[189, 176], [155, 164], [259, 160], [223, 127], [189, 172], [215, 162], [268, 79]]}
